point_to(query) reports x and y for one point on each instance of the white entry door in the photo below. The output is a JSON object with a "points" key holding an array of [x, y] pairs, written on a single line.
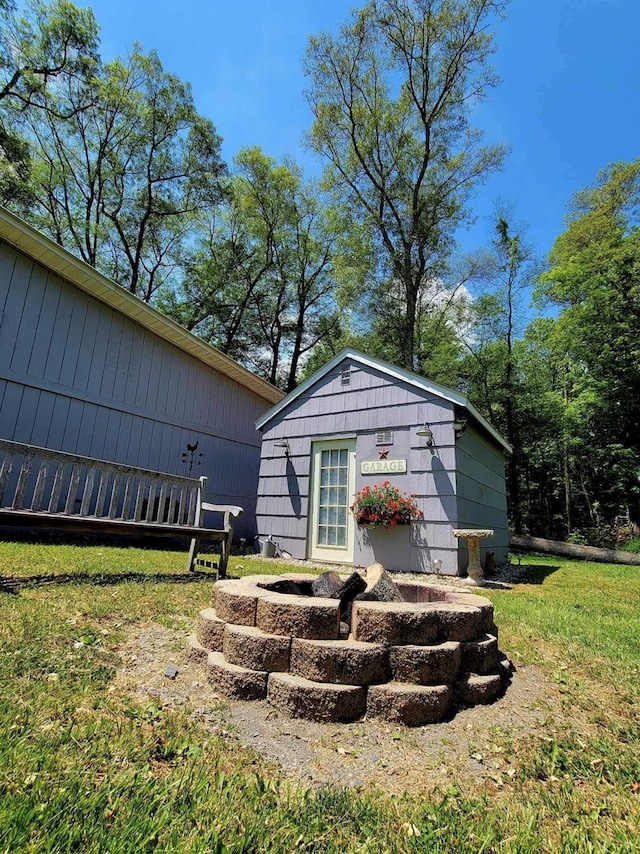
{"points": [[331, 524]]}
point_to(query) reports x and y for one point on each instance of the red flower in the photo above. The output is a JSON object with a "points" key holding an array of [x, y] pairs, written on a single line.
{"points": [[384, 505]]}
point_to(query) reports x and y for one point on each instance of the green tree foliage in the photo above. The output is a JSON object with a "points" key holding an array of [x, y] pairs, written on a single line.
{"points": [[45, 43], [495, 381], [38, 50], [539, 444], [442, 324], [15, 170], [391, 97], [120, 180], [594, 276], [261, 286]]}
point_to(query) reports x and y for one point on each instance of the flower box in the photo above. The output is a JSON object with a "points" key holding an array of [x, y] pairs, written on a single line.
{"points": [[384, 506]]}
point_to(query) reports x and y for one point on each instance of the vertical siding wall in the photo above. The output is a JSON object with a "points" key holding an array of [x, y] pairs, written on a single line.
{"points": [[482, 499], [77, 376], [371, 402]]}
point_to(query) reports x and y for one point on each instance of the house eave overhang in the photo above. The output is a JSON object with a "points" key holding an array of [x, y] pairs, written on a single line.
{"points": [[400, 374], [18, 234]]}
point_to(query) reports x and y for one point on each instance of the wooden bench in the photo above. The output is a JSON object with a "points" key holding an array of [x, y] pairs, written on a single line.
{"points": [[41, 488]]}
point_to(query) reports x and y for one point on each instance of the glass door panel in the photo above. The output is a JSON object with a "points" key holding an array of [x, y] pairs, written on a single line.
{"points": [[332, 489]]}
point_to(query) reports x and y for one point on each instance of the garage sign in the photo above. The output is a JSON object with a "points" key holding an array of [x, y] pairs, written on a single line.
{"points": [[383, 467]]}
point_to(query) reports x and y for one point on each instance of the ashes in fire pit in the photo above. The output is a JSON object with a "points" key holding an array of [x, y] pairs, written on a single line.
{"points": [[329, 648]]}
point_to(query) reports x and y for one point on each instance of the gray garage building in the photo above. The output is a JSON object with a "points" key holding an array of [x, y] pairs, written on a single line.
{"points": [[360, 421], [88, 368]]}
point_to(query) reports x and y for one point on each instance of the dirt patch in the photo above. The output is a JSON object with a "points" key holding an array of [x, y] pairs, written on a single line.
{"points": [[478, 746]]}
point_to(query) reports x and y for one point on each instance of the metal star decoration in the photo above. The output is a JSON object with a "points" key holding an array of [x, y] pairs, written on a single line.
{"points": [[384, 453]]}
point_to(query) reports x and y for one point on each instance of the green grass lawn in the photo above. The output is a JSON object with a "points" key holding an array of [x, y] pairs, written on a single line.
{"points": [[86, 768]]}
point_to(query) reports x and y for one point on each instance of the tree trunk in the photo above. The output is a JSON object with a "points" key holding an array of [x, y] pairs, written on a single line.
{"points": [[553, 547]]}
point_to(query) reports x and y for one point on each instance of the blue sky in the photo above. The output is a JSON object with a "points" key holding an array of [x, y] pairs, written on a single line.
{"points": [[569, 102]]}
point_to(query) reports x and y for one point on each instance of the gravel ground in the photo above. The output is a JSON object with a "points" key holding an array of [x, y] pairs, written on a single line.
{"points": [[477, 746]]}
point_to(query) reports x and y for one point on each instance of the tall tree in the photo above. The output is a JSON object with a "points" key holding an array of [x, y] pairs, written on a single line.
{"points": [[122, 180], [41, 45], [506, 271], [261, 287], [540, 442], [391, 97], [38, 48], [594, 276]]}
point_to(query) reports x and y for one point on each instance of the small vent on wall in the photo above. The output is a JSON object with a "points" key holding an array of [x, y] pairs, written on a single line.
{"points": [[384, 437], [345, 375]]}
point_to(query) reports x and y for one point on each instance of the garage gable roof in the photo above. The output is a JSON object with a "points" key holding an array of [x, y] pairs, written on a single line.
{"points": [[395, 373], [18, 234]]}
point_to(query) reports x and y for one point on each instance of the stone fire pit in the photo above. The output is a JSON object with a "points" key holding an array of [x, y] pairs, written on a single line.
{"points": [[411, 659]]}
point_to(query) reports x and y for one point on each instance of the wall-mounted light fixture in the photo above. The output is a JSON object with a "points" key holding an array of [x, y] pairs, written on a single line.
{"points": [[459, 426], [426, 432], [283, 443]]}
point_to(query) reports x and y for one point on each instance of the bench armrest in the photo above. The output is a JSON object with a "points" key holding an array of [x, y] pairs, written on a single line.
{"points": [[231, 512], [223, 508]]}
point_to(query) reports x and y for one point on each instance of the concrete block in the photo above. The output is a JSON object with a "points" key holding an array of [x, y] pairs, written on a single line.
{"points": [[235, 601], [485, 605], [412, 591], [472, 690], [210, 630], [480, 656], [407, 591], [299, 616], [426, 665], [505, 667], [394, 623], [239, 683], [248, 646], [195, 650], [344, 662], [316, 701], [459, 622], [410, 705], [437, 593]]}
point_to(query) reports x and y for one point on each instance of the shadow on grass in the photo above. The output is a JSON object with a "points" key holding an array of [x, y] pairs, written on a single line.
{"points": [[13, 584], [533, 573], [68, 538]]}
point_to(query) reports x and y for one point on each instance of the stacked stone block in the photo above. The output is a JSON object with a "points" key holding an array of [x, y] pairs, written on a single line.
{"points": [[410, 662]]}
